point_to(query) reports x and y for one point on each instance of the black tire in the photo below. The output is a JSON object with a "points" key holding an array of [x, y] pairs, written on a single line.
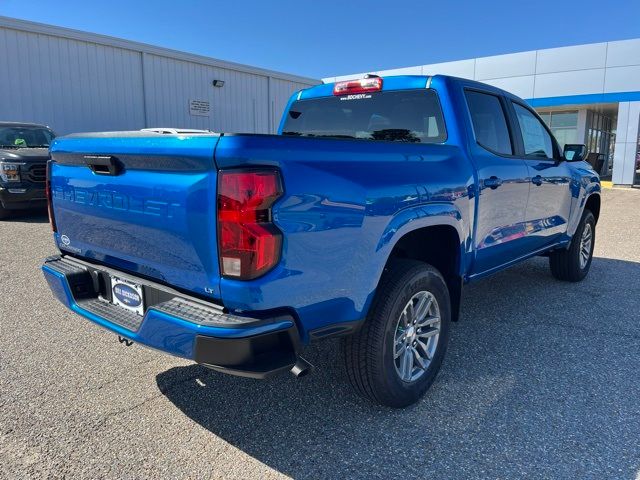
{"points": [[4, 213], [369, 353], [565, 264]]}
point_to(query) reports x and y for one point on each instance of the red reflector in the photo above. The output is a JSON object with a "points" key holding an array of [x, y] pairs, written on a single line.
{"points": [[358, 86], [47, 191], [248, 242]]}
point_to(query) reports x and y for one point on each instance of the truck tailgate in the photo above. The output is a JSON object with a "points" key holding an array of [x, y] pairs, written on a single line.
{"points": [[140, 202]]}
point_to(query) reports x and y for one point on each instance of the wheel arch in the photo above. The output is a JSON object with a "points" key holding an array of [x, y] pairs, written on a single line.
{"points": [[440, 245], [593, 204]]}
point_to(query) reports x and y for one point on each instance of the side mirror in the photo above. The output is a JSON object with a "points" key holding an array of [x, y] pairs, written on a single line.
{"points": [[575, 152]]}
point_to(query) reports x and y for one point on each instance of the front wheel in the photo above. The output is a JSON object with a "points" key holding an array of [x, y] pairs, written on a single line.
{"points": [[394, 358], [4, 213], [573, 264]]}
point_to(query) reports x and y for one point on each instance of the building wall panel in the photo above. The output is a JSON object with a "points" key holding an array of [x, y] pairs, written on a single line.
{"points": [[579, 57], [623, 52], [462, 68], [627, 132], [342, 78], [68, 84], [577, 70], [243, 104], [520, 86], [280, 92], [77, 82], [501, 66], [622, 79], [401, 71], [569, 83]]}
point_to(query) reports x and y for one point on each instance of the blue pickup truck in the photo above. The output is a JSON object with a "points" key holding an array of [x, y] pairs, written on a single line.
{"points": [[364, 217]]}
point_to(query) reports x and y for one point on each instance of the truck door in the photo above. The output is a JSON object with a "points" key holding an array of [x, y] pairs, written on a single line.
{"points": [[550, 192], [502, 184]]}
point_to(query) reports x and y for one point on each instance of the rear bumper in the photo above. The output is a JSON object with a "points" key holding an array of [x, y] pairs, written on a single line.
{"points": [[177, 324]]}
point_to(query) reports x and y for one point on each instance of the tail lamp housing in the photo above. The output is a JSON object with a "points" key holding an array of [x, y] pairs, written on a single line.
{"points": [[49, 195], [249, 244]]}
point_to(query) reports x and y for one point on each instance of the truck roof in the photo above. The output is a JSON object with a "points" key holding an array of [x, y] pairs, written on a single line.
{"points": [[21, 124], [404, 82]]}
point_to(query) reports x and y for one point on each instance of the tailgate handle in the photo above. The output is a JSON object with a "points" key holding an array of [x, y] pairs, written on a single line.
{"points": [[103, 164]]}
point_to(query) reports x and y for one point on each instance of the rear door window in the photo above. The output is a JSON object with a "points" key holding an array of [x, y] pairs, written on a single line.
{"points": [[411, 116], [489, 122]]}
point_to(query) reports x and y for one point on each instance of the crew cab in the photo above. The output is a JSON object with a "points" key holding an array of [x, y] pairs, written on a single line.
{"points": [[363, 217], [24, 151]]}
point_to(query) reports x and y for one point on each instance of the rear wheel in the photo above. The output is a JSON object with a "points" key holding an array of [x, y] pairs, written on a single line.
{"points": [[394, 358], [573, 264]]}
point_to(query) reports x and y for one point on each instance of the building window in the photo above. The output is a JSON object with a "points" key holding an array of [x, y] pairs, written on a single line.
{"points": [[564, 120], [536, 140], [563, 125], [546, 117], [600, 136]]}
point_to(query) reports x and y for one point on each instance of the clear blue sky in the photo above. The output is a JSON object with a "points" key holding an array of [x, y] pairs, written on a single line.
{"points": [[327, 37]]}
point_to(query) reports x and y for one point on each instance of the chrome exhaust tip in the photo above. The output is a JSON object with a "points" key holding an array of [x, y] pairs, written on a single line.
{"points": [[301, 368]]}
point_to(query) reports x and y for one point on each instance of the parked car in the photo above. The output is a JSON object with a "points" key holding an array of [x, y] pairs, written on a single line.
{"points": [[363, 218], [24, 151]]}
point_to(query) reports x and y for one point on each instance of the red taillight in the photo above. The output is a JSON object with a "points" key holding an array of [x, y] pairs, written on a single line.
{"points": [[362, 85], [47, 191], [248, 242]]}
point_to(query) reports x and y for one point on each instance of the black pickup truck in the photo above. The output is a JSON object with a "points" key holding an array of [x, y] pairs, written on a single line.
{"points": [[24, 151]]}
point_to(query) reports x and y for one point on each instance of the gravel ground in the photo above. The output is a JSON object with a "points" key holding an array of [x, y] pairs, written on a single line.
{"points": [[542, 380]]}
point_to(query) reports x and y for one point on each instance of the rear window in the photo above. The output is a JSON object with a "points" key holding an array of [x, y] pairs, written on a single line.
{"points": [[401, 116]]}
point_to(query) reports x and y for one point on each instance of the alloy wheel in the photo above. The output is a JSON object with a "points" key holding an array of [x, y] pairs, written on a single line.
{"points": [[585, 245], [416, 336]]}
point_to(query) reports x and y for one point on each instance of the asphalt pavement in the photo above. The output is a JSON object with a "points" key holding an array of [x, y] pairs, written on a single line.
{"points": [[541, 380]]}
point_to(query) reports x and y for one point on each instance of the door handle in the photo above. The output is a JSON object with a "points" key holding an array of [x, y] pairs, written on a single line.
{"points": [[537, 180], [492, 182]]}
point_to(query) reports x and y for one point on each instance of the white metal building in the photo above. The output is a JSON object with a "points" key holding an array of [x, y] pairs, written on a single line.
{"points": [[76, 82], [586, 93]]}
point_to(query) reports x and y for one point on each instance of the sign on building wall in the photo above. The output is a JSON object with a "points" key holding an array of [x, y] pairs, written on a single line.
{"points": [[199, 108]]}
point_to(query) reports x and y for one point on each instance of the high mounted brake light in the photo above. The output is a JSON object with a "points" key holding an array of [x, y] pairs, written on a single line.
{"points": [[248, 242], [362, 85]]}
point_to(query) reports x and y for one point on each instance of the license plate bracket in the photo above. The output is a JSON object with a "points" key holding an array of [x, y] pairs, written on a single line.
{"points": [[128, 295]]}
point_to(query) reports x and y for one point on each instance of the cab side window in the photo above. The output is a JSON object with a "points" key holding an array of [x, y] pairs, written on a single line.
{"points": [[489, 122], [536, 139]]}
